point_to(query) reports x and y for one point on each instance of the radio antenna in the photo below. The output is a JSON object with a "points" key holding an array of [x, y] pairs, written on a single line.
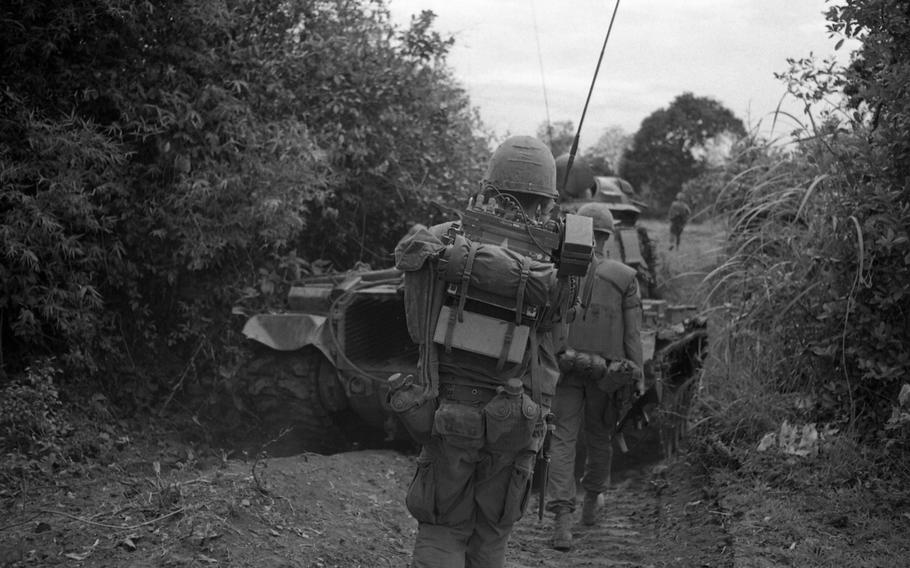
{"points": [[543, 82], [584, 111]]}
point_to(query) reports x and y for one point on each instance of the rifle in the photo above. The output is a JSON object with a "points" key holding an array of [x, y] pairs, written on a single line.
{"points": [[637, 415], [543, 464]]}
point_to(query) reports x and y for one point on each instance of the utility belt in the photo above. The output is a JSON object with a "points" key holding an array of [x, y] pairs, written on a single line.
{"points": [[472, 395], [503, 418], [477, 395]]}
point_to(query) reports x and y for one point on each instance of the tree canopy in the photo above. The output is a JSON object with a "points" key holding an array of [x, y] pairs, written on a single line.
{"points": [[605, 155], [558, 135], [672, 146]]}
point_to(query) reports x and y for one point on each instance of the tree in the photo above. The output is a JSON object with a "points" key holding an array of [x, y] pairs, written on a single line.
{"points": [[672, 146], [558, 136], [605, 155]]}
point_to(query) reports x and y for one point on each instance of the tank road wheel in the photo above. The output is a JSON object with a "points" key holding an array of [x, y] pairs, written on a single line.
{"points": [[292, 411]]}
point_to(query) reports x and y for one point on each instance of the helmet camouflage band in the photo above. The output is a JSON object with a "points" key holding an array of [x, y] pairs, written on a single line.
{"points": [[600, 212], [522, 164]]}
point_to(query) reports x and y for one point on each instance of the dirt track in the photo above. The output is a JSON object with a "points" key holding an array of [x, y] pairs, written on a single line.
{"points": [[343, 511], [347, 511], [655, 517]]}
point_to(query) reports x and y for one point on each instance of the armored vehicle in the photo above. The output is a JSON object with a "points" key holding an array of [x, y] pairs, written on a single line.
{"points": [[317, 378]]}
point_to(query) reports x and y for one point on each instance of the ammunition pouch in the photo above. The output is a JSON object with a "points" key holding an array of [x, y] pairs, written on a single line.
{"points": [[459, 425], [585, 364], [610, 376], [620, 374]]}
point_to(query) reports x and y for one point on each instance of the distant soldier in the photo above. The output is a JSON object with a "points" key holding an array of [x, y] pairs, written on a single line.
{"points": [[679, 215], [601, 367]]}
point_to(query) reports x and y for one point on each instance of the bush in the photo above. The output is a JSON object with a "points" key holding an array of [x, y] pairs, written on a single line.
{"points": [[819, 256], [161, 160], [31, 424]]}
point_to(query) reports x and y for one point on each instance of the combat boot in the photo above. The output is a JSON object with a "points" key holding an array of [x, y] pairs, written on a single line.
{"points": [[562, 530], [594, 502]]}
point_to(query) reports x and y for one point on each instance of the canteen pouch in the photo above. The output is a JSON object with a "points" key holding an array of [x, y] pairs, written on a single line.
{"points": [[414, 409], [510, 420], [460, 425]]}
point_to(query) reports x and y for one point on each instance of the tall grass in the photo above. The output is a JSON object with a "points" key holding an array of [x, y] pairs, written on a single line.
{"points": [[798, 331], [761, 367]]}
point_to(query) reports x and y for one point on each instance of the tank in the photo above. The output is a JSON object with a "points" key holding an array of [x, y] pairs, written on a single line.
{"points": [[316, 373], [316, 378]]}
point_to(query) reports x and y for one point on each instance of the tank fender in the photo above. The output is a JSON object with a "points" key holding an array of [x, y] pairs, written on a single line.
{"points": [[289, 332]]}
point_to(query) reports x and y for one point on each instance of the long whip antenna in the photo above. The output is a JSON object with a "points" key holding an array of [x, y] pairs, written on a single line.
{"points": [[543, 82], [584, 111]]}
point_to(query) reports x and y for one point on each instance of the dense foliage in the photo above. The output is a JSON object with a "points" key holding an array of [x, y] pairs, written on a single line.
{"points": [[161, 160], [675, 144], [820, 250]]}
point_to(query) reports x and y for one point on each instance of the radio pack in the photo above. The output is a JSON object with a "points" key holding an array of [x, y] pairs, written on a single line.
{"points": [[498, 269]]}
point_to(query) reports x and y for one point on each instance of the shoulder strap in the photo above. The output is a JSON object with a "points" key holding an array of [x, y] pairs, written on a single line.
{"points": [[519, 308], [457, 315]]}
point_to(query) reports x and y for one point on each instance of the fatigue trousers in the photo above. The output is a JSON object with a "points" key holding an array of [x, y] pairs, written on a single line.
{"points": [[579, 401], [466, 501]]}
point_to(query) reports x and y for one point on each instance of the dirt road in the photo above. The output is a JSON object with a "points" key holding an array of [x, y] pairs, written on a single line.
{"points": [[347, 511], [660, 516], [344, 511]]}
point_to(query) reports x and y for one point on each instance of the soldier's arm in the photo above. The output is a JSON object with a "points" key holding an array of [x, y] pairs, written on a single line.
{"points": [[631, 312]]}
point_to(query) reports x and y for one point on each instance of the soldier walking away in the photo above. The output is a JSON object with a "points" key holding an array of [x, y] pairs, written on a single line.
{"points": [[679, 215], [488, 369], [601, 368]]}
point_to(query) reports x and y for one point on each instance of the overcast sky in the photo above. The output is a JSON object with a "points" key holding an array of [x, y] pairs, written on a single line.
{"points": [[728, 50]]}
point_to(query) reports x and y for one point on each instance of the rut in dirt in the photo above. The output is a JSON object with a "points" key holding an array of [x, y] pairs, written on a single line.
{"points": [[665, 515]]}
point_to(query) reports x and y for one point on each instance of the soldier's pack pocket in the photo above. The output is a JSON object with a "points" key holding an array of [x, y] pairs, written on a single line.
{"points": [[459, 425], [519, 490], [421, 498]]}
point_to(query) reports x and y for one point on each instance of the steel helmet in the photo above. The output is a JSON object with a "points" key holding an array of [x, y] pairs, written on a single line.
{"points": [[600, 212], [522, 164], [581, 178]]}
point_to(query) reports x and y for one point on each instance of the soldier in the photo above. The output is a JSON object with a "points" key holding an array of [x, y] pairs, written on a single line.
{"points": [[601, 364], [679, 215], [475, 467]]}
